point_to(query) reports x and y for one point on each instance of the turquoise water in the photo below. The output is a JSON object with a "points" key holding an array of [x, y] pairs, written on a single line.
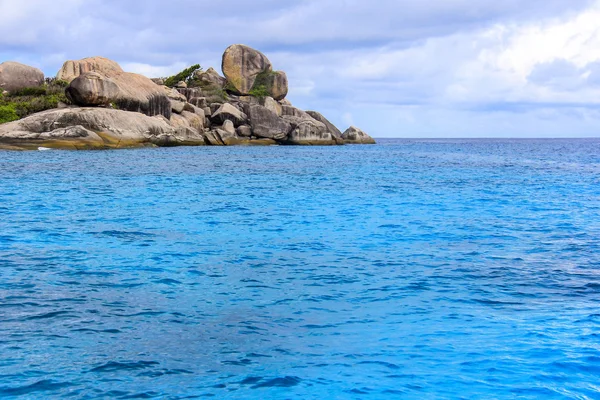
{"points": [[411, 269]]}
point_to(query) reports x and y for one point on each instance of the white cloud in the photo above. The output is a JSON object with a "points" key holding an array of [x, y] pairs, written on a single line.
{"points": [[153, 71], [442, 67]]}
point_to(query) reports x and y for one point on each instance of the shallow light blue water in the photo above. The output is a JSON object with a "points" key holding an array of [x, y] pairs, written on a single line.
{"points": [[411, 269]]}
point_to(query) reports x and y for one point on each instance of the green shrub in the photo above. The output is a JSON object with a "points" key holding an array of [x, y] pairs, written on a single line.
{"points": [[28, 101], [30, 91], [56, 82], [8, 114], [261, 83], [187, 75], [259, 91]]}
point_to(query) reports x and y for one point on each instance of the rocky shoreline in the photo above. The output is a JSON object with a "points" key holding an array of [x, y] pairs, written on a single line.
{"points": [[106, 108]]}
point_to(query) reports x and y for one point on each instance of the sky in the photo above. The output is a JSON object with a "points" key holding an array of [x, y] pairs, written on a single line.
{"points": [[395, 68]]}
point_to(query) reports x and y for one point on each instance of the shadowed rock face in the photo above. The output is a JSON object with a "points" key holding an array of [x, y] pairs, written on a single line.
{"points": [[266, 124], [241, 65], [72, 69], [126, 91], [15, 76]]}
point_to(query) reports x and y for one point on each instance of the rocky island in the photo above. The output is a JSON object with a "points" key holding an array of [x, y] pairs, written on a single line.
{"points": [[93, 104]]}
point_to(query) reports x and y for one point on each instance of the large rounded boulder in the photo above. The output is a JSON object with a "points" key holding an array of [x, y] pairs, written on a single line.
{"points": [[241, 65], [15, 76], [73, 68], [122, 90]]}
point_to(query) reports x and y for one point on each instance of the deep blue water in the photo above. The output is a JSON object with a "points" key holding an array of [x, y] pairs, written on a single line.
{"points": [[412, 269]]}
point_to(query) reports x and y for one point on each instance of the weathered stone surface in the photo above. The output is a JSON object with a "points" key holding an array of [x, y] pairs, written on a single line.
{"points": [[306, 130], [90, 128], [229, 112], [244, 131], [290, 111], [272, 105], [277, 84], [285, 102], [197, 111], [15, 76], [353, 135], [249, 100], [198, 102], [125, 91], [93, 89], [173, 94], [177, 106], [241, 64], [228, 127], [72, 69], [214, 107], [330, 127], [190, 93], [210, 77], [189, 107], [310, 132], [228, 138], [188, 120], [158, 81], [181, 85], [266, 124], [213, 138]]}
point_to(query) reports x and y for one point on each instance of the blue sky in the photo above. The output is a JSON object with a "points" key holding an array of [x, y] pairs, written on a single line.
{"points": [[395, 68]]}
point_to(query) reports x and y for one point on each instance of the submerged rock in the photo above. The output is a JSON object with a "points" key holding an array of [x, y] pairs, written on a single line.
{"points": [[15, 76]]}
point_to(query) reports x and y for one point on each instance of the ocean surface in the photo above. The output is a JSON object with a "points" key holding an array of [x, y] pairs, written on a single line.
{"points": [[414, 269]]}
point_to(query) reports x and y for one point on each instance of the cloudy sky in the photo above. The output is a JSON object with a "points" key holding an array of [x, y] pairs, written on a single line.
{"points": [[396, 68]]}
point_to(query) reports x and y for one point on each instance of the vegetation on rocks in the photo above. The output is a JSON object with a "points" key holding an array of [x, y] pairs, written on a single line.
{"points": [[187, 76], [261, 84], [31, 100]]}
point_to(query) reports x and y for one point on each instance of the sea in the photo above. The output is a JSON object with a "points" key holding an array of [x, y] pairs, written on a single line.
{"points": [[411, 269]]}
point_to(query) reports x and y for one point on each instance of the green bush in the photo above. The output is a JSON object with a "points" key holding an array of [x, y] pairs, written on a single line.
{"points": [[8, 114], [261, 83], [28, 101], [259, 91], [187, 75], [30, 91]]}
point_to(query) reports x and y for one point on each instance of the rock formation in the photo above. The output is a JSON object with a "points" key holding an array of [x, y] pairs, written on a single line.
{"points": [[15, 76], [210, 77], [353, 135], [330, 127], [248, 70], [95, 128], [72, 69], [112, 109], [122, 90]]}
